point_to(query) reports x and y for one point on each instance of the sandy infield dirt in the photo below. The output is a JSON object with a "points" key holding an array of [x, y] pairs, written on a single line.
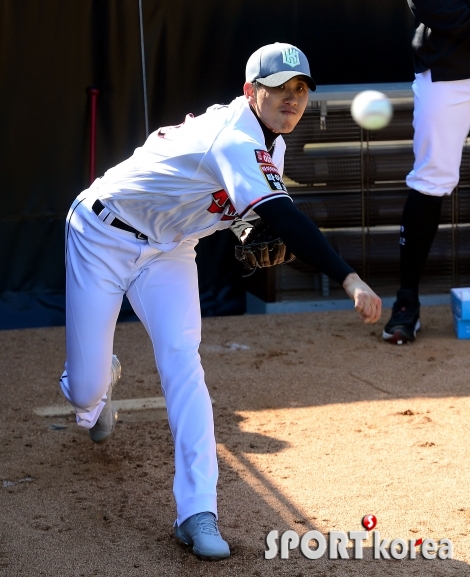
{"points": [[318, 423]]}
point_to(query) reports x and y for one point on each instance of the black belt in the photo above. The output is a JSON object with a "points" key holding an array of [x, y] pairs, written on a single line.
{"points": [[98, 207]]}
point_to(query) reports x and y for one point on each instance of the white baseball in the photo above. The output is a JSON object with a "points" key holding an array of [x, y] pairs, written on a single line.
{"points": [[371, 109]]}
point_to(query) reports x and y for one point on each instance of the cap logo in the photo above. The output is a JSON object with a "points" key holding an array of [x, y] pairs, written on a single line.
{"points": [[290, 56]]}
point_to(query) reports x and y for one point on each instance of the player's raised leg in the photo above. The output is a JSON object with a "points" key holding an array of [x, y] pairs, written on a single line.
{"points": [[93, 301]]}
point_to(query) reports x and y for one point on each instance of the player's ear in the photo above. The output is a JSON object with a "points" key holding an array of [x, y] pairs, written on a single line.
{"points": [[249, 92]]}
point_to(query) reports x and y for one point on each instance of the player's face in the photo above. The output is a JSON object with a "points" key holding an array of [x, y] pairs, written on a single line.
{"points": [[280, 108]]}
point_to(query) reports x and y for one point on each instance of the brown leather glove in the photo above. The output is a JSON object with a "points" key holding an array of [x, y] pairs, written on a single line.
{"points": [[262, 247]]}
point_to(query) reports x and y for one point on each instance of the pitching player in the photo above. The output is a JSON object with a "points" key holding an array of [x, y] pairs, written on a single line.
{"points": [[134, 231], [441, 122]]}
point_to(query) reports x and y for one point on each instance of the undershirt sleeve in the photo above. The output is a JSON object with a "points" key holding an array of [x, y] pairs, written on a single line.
{"points": [[303, 238]]}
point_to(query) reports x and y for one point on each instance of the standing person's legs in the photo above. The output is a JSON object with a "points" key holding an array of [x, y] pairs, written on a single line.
{"points": [[441, 122]]}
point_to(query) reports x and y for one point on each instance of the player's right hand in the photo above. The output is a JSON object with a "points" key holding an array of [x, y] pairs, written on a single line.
{"points": [[366, 302]]}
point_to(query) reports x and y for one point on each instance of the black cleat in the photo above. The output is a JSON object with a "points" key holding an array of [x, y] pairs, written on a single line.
{"points": [[404, 322]]}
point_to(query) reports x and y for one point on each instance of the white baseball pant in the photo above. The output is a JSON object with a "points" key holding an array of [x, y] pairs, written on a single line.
{"points": [[102, 264], [441, 122]]}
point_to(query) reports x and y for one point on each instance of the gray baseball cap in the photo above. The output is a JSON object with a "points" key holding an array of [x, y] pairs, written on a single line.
{"points": [[274, 64]]}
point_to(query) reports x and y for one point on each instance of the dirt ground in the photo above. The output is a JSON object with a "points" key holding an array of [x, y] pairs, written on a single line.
{"points": [[318, 423]]}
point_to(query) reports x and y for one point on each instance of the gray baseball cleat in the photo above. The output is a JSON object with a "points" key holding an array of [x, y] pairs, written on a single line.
{"points": [[201, 531], [107, 420]]}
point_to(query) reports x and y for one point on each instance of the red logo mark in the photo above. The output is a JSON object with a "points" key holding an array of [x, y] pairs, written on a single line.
{"points": [[164, 130], [269, 169], [263, 157], [221, 204], [418, 542], [369, 522]]}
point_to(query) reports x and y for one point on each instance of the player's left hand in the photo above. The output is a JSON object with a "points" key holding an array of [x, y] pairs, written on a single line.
{"points": [[261, 247], [366, 302]]}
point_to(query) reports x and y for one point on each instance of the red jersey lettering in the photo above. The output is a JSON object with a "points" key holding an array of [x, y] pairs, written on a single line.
{"points": [[222, 204]]}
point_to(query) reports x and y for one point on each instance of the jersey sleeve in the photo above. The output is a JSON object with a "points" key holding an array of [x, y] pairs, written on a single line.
{"points": [[246, 171]]}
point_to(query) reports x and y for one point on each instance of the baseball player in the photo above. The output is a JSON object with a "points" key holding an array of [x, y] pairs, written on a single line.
{"points": [[134, 231], [441, 122]]}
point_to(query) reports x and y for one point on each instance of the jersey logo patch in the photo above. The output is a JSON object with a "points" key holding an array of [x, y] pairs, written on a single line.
{"points": [[221, 204], [273, 177], [290, 56], [263, 157]]}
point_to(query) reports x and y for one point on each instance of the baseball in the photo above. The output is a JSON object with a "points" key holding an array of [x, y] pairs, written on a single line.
{"points": [[371, 109]]}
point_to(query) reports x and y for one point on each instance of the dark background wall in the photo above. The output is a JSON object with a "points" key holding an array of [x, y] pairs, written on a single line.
{"points": [[51, 51]]}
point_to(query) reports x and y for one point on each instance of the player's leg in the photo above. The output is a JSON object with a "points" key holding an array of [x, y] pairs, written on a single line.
{"points": [[165, 296], [419, 225], [93, 298], [441, 122]]}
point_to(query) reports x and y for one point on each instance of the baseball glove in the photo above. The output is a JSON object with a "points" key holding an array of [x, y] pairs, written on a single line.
{"points": [[262, 247]]}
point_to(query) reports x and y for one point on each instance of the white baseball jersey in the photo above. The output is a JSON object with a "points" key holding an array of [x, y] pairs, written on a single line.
{"points": [[184, 183], [189, 180]]}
